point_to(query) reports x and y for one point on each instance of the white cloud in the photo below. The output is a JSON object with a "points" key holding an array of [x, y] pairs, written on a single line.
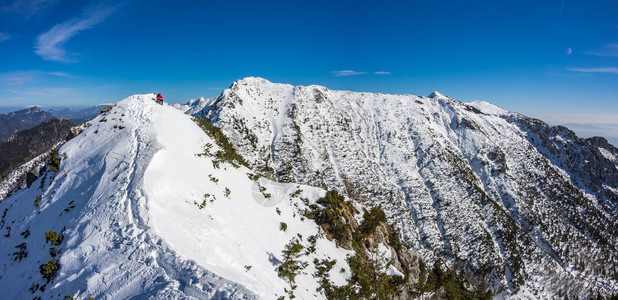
{"points": [[50, 45], [595, 70], [382, 73], [59, 74], [4, 36], [610, 50], [347, 73]]}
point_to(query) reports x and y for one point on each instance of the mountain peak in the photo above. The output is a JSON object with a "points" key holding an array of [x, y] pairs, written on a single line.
{"points": [[436, 94], [251, 80], [34, 109]]}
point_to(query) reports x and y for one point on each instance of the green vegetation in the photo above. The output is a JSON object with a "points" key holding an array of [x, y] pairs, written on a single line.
{"points": [[329, 215], [49, 270], [371, 220], [227, 153], [54, 160], [254, 177], [291, 266], [263, 191], [213, 179], [454, 287], [206, 152], [207, 198], [313, 239], [323, 268], [283, 226], [55, 239], [367, 281], [227, 192], [37, 201], [296, 193], [335, 216]]}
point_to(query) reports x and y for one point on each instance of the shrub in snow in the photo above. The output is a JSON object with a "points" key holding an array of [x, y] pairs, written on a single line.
{"points": [[291, 266], [372, 219], [54, 160], [54, 238], [228, 152], [49, 270], [213, 179]]}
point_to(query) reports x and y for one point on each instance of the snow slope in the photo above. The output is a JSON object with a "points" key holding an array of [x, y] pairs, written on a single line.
{"points": [[126, 201], [529, 207]]}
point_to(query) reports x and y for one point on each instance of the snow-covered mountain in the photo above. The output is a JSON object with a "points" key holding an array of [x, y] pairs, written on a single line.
{"points": [[136, 206], [147, 202], [530, 208]]}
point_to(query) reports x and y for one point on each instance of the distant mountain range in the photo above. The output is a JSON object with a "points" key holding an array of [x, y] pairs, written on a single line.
{"points": [[30, 117], [78, 116], [20, 120]]}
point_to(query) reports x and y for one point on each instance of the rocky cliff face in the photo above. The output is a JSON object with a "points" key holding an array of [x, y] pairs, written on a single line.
{"points": [[528, 207]]}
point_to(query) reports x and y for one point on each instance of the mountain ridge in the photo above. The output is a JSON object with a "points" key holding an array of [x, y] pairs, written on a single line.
{"points": [[130, 208], [516, 169], [133, 208]]}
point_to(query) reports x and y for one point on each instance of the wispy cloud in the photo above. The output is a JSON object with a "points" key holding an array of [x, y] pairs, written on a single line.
{"points": [[4, 36], [50, 45], [382, 73], [16, 78], [19, 78], [27, 8], [60, 74], [51, 91], [610, 50], [347, 73], [595, 70]]}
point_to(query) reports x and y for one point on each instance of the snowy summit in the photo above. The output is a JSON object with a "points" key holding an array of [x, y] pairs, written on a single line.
{"points": [[127, 199]]}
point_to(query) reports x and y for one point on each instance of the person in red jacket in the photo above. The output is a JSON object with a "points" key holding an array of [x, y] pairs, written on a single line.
{"points": [[160, 99]]}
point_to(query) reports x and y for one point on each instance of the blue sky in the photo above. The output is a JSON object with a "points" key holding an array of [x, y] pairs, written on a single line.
{"points": [[552, 59]]}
